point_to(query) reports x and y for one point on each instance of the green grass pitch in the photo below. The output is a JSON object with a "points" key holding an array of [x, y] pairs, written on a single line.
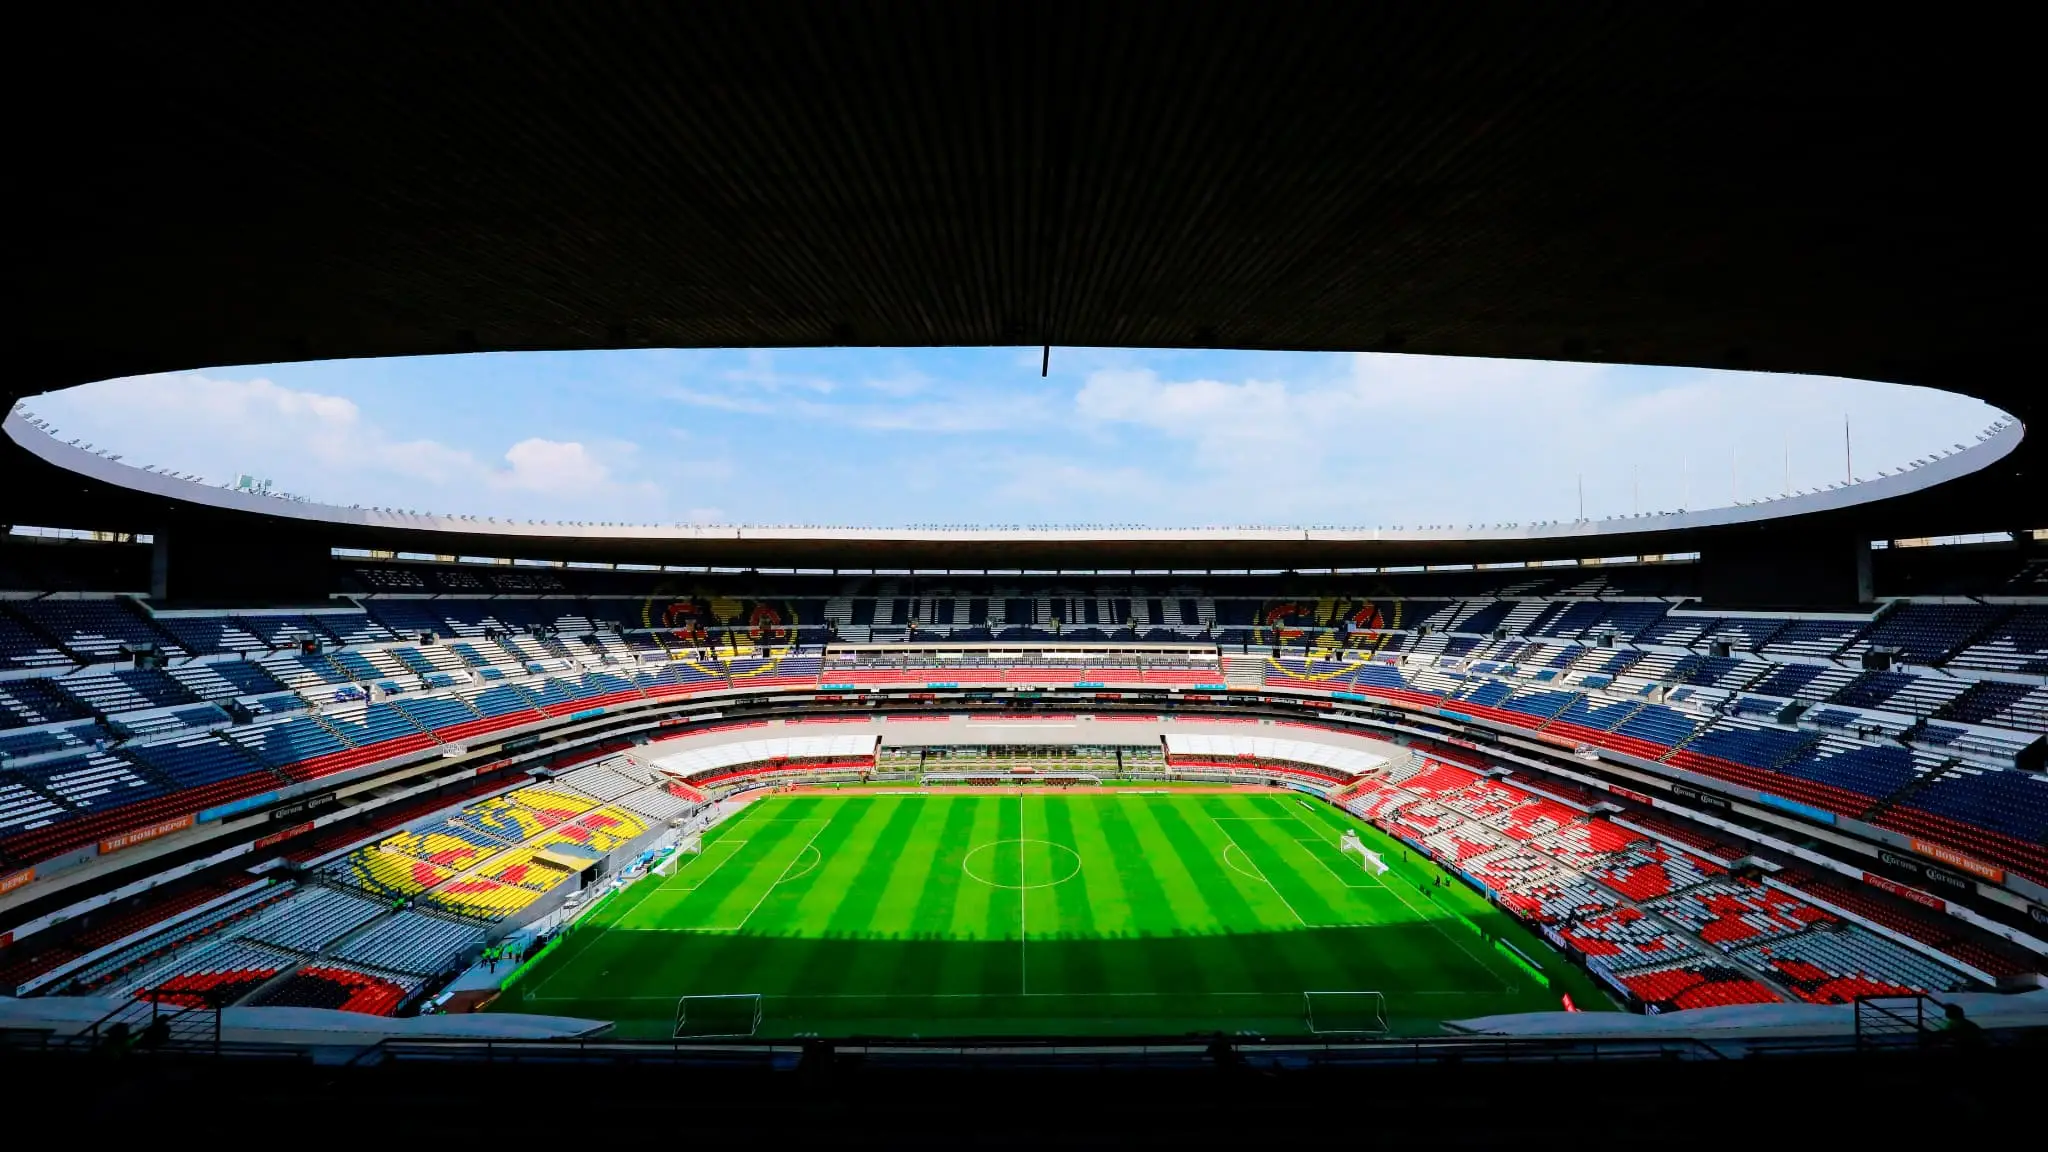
{"points": [[1109, 913]]}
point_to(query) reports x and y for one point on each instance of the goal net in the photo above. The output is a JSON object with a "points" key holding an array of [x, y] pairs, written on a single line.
{"points": [[1352, 845], [718, 1017], [1345, 1013], [688, 846]]}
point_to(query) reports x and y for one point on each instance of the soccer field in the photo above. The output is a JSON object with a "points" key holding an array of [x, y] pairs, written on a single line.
{"points": [[1111, 912]]}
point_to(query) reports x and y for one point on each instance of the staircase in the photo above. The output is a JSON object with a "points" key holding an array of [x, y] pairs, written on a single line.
{"points": [[1856, 642], [1554, 713], [39, 632], [1797, 751], [1640, 705], [1906, 790], [1525, 613], [1696, 734], [256, 762], [1545, 618], [838, 614], [1465, 611], [1244, 671], [1431, 645], [336, 732], [1977, 636]]}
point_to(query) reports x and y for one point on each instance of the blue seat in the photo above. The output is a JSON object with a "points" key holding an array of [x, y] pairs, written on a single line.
{"points": [[2015, 803], [196, 760]]}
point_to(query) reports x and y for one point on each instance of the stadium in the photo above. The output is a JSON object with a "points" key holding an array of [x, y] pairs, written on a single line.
{"points": [[305, 803]]}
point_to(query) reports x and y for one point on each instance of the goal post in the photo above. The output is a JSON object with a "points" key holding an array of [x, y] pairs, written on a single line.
{"points": [[718, 1017], [1345, 1013], [1352, 845], [690, 844]]}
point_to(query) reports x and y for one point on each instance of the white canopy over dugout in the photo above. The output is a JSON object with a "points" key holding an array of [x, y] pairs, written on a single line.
{"points": [[1341, 761], [849, 746]]}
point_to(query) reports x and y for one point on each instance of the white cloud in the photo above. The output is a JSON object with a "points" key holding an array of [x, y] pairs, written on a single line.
{"points": [[551, 466], [1380, 439], [967, 435], [901, 385], [909, 400], [322, 446]]}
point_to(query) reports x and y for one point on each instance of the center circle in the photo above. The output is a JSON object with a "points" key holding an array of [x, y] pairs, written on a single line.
{"points": [[1022, 863]]}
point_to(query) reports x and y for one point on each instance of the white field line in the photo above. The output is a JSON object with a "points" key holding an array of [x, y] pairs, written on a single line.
{"points": [[1261, 871], [823, 822], [1334, 874], [697, 879], [1432, 921], [1252, 875]]}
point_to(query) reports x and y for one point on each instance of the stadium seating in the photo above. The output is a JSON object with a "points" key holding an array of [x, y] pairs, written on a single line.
{"points": [[1786, 680], [96, 629], [1709, 846], [214, 976], [518, 867], [22, 647], [447, 844], [1646, 871], [36, 701], [1927, 753], [386, 874], [414, 943], [129, 966], [341, 987], [224, 680], [1695, 982], [195, 761], [1751, 744], [510, 819], [600, 782], [2001, 814], [1836, 965], [1924, 633], [479, 898], [23, 808], [33, 743], [1874, 771], [43, 953], [1621, 938], [87, 781], [604, 829], [661, 804], [1811, 639], [212, 635], [311, 920], [1988, 955], [1729, 913], [2019, 644], [1628, 905]]}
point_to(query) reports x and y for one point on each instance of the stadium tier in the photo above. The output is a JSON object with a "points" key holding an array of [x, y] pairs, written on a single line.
{"points": [[118, 718]]}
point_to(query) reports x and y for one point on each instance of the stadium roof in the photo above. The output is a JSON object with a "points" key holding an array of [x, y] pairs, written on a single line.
{"points": [[1633, 184]]}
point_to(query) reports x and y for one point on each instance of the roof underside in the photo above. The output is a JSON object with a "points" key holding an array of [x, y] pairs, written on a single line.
{"points": [[1645, 184]]}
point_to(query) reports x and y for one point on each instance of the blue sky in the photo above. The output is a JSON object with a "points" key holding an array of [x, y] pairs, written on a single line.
{"points": [[974, 436]]}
